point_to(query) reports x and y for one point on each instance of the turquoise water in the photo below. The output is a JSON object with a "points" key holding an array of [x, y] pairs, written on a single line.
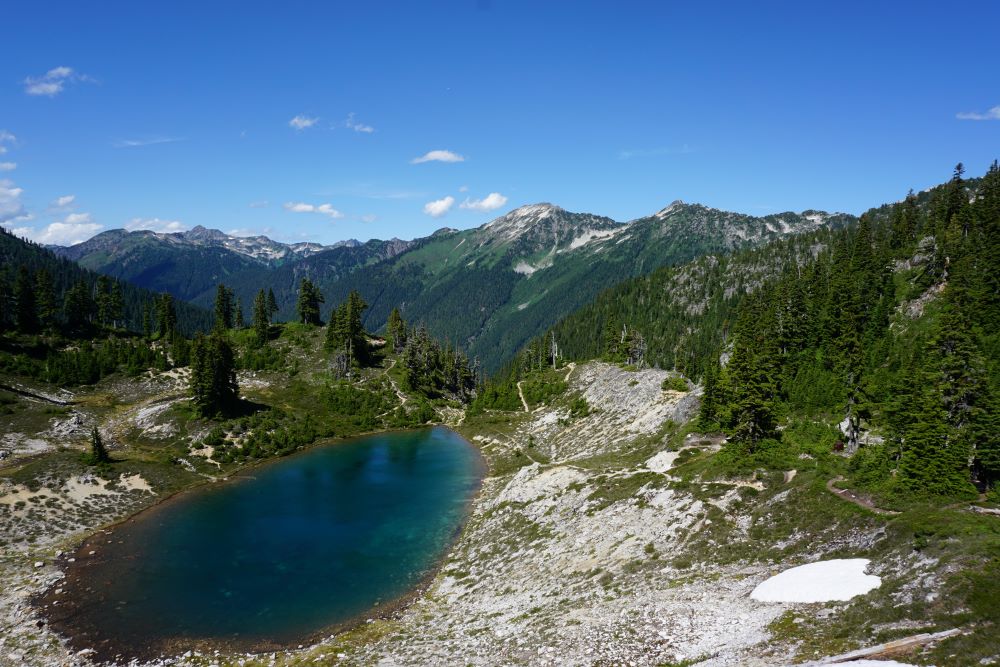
{"points": [[296, 548]]}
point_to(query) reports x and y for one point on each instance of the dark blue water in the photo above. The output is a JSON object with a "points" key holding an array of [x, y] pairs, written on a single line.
{"points": [[298, 547]]}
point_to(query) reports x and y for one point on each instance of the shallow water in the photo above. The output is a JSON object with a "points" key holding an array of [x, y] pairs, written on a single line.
{"points": [[296, 547]]}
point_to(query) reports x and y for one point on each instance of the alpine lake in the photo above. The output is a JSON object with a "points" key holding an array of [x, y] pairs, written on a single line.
{"points": [[281, 555]]}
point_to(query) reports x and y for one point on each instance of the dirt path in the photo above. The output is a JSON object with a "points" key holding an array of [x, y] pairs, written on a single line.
{"points": [[402, 397], [852, 497], [571, 366], [399, 394], [520, 392]]}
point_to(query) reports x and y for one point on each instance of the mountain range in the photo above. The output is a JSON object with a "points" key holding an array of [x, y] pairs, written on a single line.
{"points": [[488, 289]]}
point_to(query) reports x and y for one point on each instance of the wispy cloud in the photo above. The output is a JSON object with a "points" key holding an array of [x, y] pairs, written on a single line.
{"points": [[991, 114], [64, 201], [323, 209], [439, 207], [11, 206], [8, 166], [490, 202], [653, 152], [352, 124], [6, 138], [75, 228], [369, 217], [155, 225], [259, 204], [438, 156], [53, 82], [148, 141], [302, 122]]}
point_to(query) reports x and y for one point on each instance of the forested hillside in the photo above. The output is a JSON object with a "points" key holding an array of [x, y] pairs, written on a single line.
{"points": [[888, 328], [66, 295], [488, 289]]}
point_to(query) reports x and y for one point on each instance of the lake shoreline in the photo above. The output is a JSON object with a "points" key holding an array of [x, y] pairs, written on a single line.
{"points": [[59, 613]]}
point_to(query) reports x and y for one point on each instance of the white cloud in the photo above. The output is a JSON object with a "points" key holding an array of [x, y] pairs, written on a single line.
{"points": [[439, 207], [464, 188], [155, 225], [490, 202], [259, 204], [356, 126], [6, 138], [369, 217], [323, 209], [991, 114], [53, 82], [149, 141], [8, 166], [76, 228], [438, 156], [301, 122], [64, 201], [11, 207]]}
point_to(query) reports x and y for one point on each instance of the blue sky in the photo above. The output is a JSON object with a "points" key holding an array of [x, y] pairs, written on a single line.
{"points": [[306, 120]]}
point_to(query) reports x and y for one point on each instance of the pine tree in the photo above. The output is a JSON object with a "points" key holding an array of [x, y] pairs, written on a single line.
{"points": [[214, 389], [223, 307], [116, 305], [166, 316], [45, 298], [261, 319], [98, 452], [308, 304], [708, 411], [102, 299], [272, 304], [147, 320], [26, 310], [78, 307], [396, 331], [238, 318]]}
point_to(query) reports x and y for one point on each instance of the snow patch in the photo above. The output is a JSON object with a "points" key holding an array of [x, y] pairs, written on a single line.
{"points": [[524, 268], [591, 235], [825, 581]]}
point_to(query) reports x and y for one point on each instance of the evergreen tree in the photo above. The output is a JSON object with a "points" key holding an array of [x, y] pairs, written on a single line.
{"points": [[224, 310], [708, 411], [26, 310], [4, 299], [102, 300], [147, 320], [45, 298], [116, 304], [396, 331], [214, 389], [238, 318], [98, 452], [78, 307], [166, 316], [308, 304], [261, 319], [272, 304]]}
